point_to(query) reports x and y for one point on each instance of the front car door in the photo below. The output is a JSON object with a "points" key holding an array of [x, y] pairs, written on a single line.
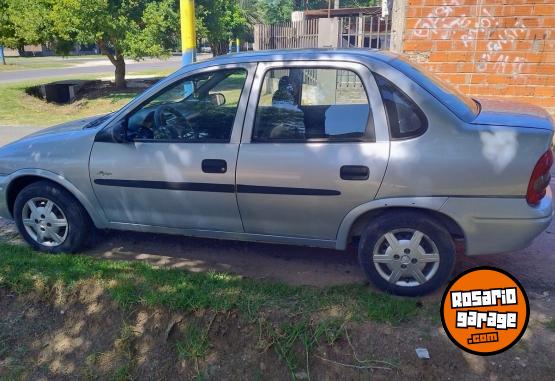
{"points": [[177, 168], [310, 151]]}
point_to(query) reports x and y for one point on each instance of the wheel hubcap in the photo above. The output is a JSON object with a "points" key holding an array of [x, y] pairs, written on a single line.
{"points": [[406, 257], [45, 222]]}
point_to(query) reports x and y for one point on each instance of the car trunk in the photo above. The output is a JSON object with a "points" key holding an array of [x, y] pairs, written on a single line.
{"points": [[496, 112]]}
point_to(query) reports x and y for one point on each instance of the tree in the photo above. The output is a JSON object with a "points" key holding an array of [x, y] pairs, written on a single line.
{"points": [[120, 28], [23, 22], [276, 11], [219, 21]]}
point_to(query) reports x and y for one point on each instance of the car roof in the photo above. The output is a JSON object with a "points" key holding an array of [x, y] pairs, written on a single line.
{"points": [[353, 54]]}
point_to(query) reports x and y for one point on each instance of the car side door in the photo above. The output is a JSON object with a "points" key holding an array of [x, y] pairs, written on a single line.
{"points": [[315, 145], [176, 165]]}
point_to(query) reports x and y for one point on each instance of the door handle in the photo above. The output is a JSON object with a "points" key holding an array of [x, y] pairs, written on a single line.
{"points": [[354, 172], [214, 166]]}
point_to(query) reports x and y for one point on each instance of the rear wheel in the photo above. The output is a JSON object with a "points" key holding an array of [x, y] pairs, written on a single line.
{"points": [[50, 219], [406, 253]]}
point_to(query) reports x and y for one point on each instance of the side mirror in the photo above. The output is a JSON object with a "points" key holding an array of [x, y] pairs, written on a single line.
{"points": [[119, 132], [217, 99]]}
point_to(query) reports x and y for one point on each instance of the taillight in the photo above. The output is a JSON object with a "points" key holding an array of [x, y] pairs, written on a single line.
{"points": [[541, 177]]}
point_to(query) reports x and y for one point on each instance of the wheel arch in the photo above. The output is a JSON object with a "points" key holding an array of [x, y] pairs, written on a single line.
{"points": [[27, 177], [354, 223]]}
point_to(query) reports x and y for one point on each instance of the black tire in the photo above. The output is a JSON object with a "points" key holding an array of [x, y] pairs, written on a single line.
{"points": [[413, 220], [79, 225]]}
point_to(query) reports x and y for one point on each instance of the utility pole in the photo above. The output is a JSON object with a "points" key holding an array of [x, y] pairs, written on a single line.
{"points": [[188, 38]]}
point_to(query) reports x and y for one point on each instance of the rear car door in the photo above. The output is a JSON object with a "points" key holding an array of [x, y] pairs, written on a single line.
{"points": [[177, 168], [310, 149]]}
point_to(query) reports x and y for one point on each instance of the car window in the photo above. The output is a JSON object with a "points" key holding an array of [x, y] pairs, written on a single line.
{"points": [[311, 104], [463, 106], [405, 118], [200, 108]]}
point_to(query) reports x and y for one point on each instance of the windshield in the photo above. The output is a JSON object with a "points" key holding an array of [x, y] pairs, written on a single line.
{"points": [[463, 106]]}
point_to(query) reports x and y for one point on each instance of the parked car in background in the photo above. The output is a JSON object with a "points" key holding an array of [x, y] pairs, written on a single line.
{"points": [[325, 148]]}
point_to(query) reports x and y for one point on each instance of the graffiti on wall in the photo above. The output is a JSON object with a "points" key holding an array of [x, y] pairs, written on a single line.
{"points": [[440, 22]]}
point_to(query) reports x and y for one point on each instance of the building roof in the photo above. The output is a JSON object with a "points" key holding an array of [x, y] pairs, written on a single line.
{"points": [[342, 12]]}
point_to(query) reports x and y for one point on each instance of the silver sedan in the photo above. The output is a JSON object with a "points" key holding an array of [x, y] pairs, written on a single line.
{"points": [[325, 148]]}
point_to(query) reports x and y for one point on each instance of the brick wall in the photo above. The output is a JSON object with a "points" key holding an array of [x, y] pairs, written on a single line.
{"points": [[487, 47]]}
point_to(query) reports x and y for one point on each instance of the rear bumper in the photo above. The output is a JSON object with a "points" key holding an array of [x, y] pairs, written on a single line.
{"points": [[497, 225]]}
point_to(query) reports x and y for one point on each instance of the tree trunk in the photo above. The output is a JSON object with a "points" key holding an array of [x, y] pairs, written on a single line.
{"points": [[21, 50], [219, 48], [117, 60], [120, 72]]}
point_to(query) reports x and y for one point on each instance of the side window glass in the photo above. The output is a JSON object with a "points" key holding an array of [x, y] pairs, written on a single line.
{"points": [[304, 104], [200, 108], [405, 118]]}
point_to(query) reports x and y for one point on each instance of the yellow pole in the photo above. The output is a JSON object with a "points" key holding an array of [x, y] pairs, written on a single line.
{"points": [[188, 37]]}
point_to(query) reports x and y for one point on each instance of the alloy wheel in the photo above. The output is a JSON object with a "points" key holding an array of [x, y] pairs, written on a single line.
{"points": [[406, 257], [45, 222]]}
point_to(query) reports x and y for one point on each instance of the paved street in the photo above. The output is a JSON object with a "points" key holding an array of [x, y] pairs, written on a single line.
{"points": [[92, 66], [10, 133]]}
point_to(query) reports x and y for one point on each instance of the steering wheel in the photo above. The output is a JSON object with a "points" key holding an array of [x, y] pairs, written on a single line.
{"points": [[161, 122]]}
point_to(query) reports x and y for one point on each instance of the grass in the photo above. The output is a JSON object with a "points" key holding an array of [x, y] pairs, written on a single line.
{"points": [[307, 316], [131, 283], [134, 283], [20, 109]]}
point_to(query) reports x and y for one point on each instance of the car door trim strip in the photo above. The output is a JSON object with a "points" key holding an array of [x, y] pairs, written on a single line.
{"points": [[221, 188], [166, 185], [286, 190]]}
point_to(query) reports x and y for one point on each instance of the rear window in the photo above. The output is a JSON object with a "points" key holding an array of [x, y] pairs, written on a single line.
{"points": [[461, 105], [406, 119]]}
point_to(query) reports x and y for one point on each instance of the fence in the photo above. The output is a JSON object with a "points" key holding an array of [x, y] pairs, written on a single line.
{"points": [[359, 31], [288, 35], [366, 31]]}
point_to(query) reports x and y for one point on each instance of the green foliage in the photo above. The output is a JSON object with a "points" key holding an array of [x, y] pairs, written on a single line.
{"points": [[275, 11], [120, 28], [24, 22], [133, 28], [220, 21]]}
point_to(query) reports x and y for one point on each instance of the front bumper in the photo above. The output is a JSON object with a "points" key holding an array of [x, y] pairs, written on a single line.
{"points": [[4, 211], [498, 225]]}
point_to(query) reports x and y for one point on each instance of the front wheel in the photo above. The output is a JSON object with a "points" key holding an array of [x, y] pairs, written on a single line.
{"points": [[50, 219], [406, 253]]}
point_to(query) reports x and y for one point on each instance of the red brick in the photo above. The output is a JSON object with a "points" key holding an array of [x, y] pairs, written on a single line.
{"points": [[548, 21], [519, 10], [416, 45], [544, 91], [443, 45], [460, 56], [522, 45], [439, 57], [542, 9]]}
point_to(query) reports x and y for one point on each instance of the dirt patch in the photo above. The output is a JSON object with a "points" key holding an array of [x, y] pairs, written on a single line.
{"points": [[89, 90], [59, 335]]}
